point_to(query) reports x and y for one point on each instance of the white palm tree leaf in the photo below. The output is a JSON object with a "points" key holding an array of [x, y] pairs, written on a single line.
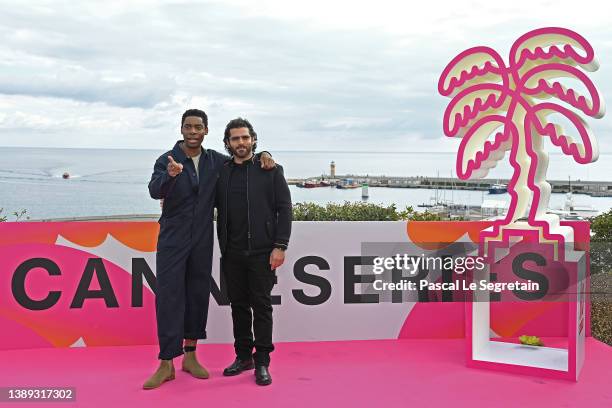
{"points": [[471, 105], [478, 65], [549, 43], [483, 146], [583, 148], [539, 83]]}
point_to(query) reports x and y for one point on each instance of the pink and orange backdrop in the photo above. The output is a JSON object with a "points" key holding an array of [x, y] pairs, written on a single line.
{"points": [[124, 312]]}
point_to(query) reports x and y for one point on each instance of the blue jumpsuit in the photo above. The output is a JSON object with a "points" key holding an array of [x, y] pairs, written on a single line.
{"points": [[184, 247]]}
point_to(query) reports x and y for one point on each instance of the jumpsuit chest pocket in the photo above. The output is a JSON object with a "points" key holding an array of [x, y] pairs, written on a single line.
{"points": [[172, 233]]}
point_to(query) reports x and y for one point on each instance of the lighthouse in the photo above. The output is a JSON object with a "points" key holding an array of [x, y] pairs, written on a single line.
{"points": [[332, 169], [364, 191]]}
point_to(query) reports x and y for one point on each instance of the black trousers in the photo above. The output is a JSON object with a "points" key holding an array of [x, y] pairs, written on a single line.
{"points": [[249, 285], [182, 296]]}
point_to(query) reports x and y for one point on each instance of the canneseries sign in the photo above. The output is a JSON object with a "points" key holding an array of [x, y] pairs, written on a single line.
{"points": [[80, 284]]}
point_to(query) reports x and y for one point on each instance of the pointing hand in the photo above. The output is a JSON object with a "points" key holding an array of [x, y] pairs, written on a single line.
{"points": [[174, 168]]}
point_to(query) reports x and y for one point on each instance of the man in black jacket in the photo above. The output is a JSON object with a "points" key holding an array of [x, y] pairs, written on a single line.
{"points": [[185, 178], [253, 227]]}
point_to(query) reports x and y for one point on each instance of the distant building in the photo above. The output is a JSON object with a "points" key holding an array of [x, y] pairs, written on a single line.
{"points": [[332, 169]]}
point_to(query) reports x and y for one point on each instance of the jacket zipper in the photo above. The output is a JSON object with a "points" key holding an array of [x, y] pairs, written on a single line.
{"points": [[227, 184], [248, 209]]}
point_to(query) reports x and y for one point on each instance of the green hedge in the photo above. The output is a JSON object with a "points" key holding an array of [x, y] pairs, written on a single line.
{"points": [[357, 211], [18, 215], [601, 243], [601, 277]]}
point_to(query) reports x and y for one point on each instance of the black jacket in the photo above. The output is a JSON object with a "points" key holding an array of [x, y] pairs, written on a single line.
{"points": [[187, 214], [268, 203]]}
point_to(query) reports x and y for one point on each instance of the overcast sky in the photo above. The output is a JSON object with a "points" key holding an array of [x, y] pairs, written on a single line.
{"points": [[316, 75]]}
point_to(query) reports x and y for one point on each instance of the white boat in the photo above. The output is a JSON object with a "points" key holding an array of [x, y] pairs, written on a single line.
{"points": [[571, 210]]}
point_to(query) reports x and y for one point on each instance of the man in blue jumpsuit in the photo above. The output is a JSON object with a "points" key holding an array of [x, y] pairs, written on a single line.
{"points": [[185, 178]]}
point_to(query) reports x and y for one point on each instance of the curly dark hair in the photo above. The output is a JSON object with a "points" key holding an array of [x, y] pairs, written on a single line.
{"points": [[237, 124], [195, 112]]}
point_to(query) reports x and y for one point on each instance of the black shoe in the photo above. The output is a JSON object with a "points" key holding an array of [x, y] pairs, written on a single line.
{"points": [[238, 366], [262, 376]]}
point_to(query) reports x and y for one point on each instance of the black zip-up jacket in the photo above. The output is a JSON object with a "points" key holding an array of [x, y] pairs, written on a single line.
{"points": [[268, 207], [187, 214]]}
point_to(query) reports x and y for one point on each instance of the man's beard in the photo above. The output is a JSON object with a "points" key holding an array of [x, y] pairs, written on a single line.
{"points": [[242, 154]]}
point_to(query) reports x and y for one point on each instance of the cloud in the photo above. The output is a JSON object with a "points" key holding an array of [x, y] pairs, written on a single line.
{"points": [[317, 75], [86, 86]]}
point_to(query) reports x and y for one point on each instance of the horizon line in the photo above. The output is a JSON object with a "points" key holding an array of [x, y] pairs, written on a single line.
{"points": [[283, 151]]}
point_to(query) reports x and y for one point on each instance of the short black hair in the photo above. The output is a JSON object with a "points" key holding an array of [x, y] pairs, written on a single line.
{"points": [[237, 124], [195, 112]]}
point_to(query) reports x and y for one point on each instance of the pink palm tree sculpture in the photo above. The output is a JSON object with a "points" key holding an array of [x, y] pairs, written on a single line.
{"points": [[496, 108]]}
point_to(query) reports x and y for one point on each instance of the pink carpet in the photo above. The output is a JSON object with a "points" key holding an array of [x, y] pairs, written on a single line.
{"points": [[387, 373]]}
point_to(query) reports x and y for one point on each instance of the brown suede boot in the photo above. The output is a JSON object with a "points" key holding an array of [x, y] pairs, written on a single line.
{"points": [[165, 372], [193, 367]]}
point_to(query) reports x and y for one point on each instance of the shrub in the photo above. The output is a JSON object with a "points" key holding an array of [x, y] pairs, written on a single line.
{"points": [[601, 277], [357, 211], [18, 215]]}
